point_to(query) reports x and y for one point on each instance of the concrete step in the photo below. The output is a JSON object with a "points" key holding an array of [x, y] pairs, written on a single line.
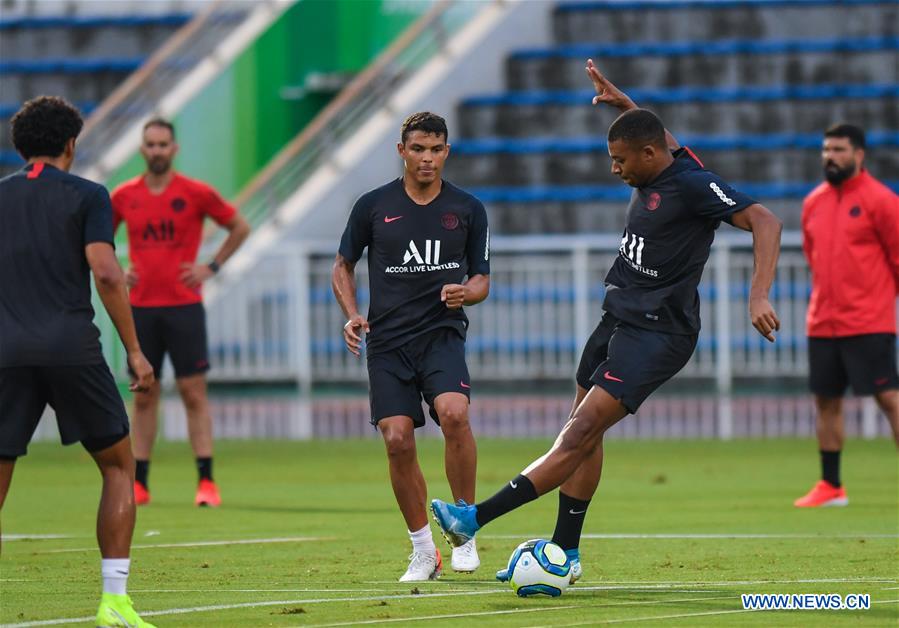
{"points": [[659, 21]]}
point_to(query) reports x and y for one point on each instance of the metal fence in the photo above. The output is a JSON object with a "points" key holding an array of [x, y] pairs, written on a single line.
{"points": [[546, 297]]}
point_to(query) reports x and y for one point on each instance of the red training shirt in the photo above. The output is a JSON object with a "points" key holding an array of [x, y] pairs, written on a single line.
{"points": [[850, 235], [164, 231]]}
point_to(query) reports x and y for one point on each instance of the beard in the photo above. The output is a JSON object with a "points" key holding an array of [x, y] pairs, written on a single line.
{"points": [[159, 165], [836, 175]]}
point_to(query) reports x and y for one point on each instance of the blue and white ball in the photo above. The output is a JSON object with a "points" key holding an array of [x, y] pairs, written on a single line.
{"points": [[539, 567]]}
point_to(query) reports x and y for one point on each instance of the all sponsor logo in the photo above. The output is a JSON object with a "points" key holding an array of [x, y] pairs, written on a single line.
{"points": [[421, 259], [631, 250]]}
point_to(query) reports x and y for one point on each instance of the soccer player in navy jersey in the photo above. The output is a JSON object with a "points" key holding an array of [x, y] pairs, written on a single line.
{"points": [[428, 256], [651, 320], [55, 230]]}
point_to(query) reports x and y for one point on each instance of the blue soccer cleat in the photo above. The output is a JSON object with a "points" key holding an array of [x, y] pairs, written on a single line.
{"points": [[457, 522]]}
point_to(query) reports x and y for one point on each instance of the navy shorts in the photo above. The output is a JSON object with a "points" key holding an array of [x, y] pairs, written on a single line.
{"points": [[87, 402], [867, 363], [631, 362], [427, 366], [180, 331]]}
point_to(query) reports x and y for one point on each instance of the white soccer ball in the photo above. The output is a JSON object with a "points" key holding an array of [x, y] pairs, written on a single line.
{"points": [[539, 567]]}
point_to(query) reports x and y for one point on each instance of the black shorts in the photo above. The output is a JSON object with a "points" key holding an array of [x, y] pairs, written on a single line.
{"points": [[88, 405], [631, 362], [866, 362], [180, 331], [423, 368]]}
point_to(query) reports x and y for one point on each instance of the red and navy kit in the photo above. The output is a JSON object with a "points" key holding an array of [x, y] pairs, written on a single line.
{"points": [[652, 321], [850, 235], [164, 232]]}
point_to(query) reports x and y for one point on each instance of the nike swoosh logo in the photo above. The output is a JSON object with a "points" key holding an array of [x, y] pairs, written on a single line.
{"points": [[572, 511], [124, 573], [464, 385], [608, 375], [387, 219], [513, 484]]}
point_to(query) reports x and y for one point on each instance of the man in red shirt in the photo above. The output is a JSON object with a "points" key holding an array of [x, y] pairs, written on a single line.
{"points": [[850, 228], [164, 213]]}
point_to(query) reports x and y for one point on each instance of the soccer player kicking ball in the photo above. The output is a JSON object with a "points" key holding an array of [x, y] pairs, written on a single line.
{"points": [[651, 320], [55, 231], [424, 237]]}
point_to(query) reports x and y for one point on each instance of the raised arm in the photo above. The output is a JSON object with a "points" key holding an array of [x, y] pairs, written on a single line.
{"points": [[608, 93], [343, 283], [765, 228]]}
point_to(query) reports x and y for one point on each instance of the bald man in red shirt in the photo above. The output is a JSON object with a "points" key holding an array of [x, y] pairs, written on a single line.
{"points": [[164, 213], [850, 229]]}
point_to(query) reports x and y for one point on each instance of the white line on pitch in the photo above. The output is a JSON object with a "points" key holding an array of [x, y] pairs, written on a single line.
{"points": [[595, 622], [223, 607], [289, 539], [701, 536], [521, 610], [254, 590]]}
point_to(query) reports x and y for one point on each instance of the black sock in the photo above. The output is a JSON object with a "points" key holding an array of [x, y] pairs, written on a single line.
{"points": [[514, 494], [204, 467], [830, 467], [141, 471], [569, 521]]}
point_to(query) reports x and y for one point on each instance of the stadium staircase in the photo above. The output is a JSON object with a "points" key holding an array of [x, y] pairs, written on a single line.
{"points": [[749, 85]]}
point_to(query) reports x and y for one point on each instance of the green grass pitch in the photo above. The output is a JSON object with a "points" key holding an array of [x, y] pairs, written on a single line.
{"points": [[309, 534]]}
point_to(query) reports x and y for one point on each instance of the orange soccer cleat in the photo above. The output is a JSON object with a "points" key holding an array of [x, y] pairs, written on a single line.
{"points": [[208, 494], [823, 494], [141, 494]]}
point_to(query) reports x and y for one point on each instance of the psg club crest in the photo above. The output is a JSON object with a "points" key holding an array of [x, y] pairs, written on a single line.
{"points": [[178, 204], [855, 212], [653, 202], [449, 221]]}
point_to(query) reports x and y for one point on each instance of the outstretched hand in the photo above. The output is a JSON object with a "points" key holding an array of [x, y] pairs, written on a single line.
{"points": [[606, 92]]}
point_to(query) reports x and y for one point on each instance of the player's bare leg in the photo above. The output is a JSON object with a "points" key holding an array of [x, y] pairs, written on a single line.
{"points": [[405, 473], [193, 391], [829, 490], [460, 452], [583, 482], [144, 421], [115, 518], [829, 423], [580, 438], [461, 461], [6, 469], [888, 400]]}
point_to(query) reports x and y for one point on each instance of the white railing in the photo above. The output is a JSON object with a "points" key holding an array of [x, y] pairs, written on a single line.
{"points": [[546, 297]]}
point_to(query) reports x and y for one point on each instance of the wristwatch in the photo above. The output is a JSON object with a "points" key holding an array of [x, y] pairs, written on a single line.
{"points": [[213, 266]]}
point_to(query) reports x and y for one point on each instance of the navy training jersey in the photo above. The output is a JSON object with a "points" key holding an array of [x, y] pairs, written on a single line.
{"points": [[47, 217], [670, 227], [413, 251]]}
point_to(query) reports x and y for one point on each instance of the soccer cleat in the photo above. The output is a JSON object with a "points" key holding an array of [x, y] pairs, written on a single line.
{"points": [[117, 611], [208, 494], [576, 571], [465, 558], [141, 494], [423, 567], [823, 494], [458, 523]]}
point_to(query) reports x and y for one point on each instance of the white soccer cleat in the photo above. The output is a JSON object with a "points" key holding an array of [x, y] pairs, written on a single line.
{"points": [[423, 567], [465, 558]]}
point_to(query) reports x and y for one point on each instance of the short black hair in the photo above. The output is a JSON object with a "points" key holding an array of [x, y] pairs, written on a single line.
{"points": [[166, 124], [43, 126], [855, 134], [424, 121], [638, 126]]}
